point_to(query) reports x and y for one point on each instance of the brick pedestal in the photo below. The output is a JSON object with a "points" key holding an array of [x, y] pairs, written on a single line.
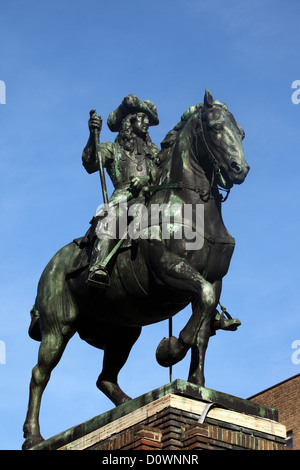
{"points": [[178, 416]]}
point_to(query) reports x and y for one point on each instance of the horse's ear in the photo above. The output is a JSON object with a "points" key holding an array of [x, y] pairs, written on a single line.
{"points": [[208, 99]]}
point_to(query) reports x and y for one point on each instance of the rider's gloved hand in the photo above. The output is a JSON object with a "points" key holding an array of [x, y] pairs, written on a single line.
{"points": [[95, 122]]}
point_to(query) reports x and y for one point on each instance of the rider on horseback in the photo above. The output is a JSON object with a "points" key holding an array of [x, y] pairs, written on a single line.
{"points": [[132, 163], [207, 148]]}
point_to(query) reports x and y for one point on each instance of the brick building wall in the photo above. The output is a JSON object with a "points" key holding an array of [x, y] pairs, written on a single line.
{"points": [[285, 397], [173, 430]]}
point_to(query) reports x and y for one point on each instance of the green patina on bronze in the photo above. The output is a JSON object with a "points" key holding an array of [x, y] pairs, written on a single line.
{"points": [[177, 387], [150, 280]]}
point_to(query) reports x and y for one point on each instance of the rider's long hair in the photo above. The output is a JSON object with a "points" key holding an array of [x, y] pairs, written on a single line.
{"points": [[126, 139], [126, 136]]}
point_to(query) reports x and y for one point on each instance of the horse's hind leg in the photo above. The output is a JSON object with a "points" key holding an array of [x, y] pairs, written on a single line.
{"points": [[198, 350], [50, 351], [118, 345]]}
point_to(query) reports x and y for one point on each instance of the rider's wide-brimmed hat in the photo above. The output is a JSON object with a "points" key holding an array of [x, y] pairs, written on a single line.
{"points": [[132, 105]]}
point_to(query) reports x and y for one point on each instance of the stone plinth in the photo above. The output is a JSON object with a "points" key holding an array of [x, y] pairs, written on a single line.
{"points": [[177, 416]]}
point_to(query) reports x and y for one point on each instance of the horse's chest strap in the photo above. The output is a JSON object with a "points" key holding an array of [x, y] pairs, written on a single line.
{"points": [[202, 192], [214, 240]]}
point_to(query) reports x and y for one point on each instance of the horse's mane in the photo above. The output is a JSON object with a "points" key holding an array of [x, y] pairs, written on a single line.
{"points": [[169, 140], [171, 135]]}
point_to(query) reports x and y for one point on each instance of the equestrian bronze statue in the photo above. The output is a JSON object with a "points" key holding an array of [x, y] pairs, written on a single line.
{"points": [[153, 263]]}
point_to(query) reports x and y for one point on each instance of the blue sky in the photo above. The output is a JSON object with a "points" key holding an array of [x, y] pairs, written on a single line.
{"points": [[60, 59]]}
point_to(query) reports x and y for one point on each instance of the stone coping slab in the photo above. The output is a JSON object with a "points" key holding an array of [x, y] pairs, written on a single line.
{"points": [[177, 388]]}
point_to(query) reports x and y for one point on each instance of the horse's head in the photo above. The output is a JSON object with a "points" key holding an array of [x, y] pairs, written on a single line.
{"points": [[222, 138]]}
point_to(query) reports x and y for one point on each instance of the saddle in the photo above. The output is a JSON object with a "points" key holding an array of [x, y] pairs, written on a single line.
{"points": [[84, 247]]}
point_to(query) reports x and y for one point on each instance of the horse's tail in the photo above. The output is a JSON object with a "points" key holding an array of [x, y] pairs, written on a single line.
{"points": [[34, 330]]}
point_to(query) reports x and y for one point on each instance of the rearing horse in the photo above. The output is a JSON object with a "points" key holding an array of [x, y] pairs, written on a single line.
{"points": [[155, 277]]}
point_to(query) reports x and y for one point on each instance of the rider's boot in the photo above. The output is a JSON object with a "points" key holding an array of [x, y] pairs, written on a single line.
{"points": [[223, 323], [98, 275]]}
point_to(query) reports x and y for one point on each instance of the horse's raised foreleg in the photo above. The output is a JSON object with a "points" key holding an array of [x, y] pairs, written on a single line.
{"points": [[118, 344], [50, 351], [178, 274], [203, 310]]}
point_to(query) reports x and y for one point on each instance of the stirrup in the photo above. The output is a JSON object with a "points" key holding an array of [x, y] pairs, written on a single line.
{"points": [[227, 324], [98, 277]]}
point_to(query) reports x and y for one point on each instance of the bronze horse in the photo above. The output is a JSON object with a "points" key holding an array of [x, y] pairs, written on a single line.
{"points": [[152, 278]]}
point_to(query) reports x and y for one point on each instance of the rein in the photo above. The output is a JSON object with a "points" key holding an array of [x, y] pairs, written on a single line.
{"points": [[214, 162], [211, 156], [181, 185]]}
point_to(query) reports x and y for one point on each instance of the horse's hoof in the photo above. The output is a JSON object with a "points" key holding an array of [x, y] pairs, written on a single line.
{"points": [[198, 380], [31, 442], [170, 351]]}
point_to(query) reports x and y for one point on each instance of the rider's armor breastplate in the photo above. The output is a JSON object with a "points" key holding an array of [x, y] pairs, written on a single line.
{"points": [[128, 164]]}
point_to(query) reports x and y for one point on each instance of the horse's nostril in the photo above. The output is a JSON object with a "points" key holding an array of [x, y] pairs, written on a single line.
{"points": [[235, 166]]}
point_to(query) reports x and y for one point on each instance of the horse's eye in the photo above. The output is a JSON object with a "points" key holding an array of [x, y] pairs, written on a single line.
{"points": [[217, 127]]}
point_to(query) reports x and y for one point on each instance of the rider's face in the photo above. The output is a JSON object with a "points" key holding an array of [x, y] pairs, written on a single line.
{"points": [[140, 125]]}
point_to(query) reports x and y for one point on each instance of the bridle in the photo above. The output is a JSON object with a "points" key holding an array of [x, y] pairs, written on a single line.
{"points": [[214, 162], [216, 171]]}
